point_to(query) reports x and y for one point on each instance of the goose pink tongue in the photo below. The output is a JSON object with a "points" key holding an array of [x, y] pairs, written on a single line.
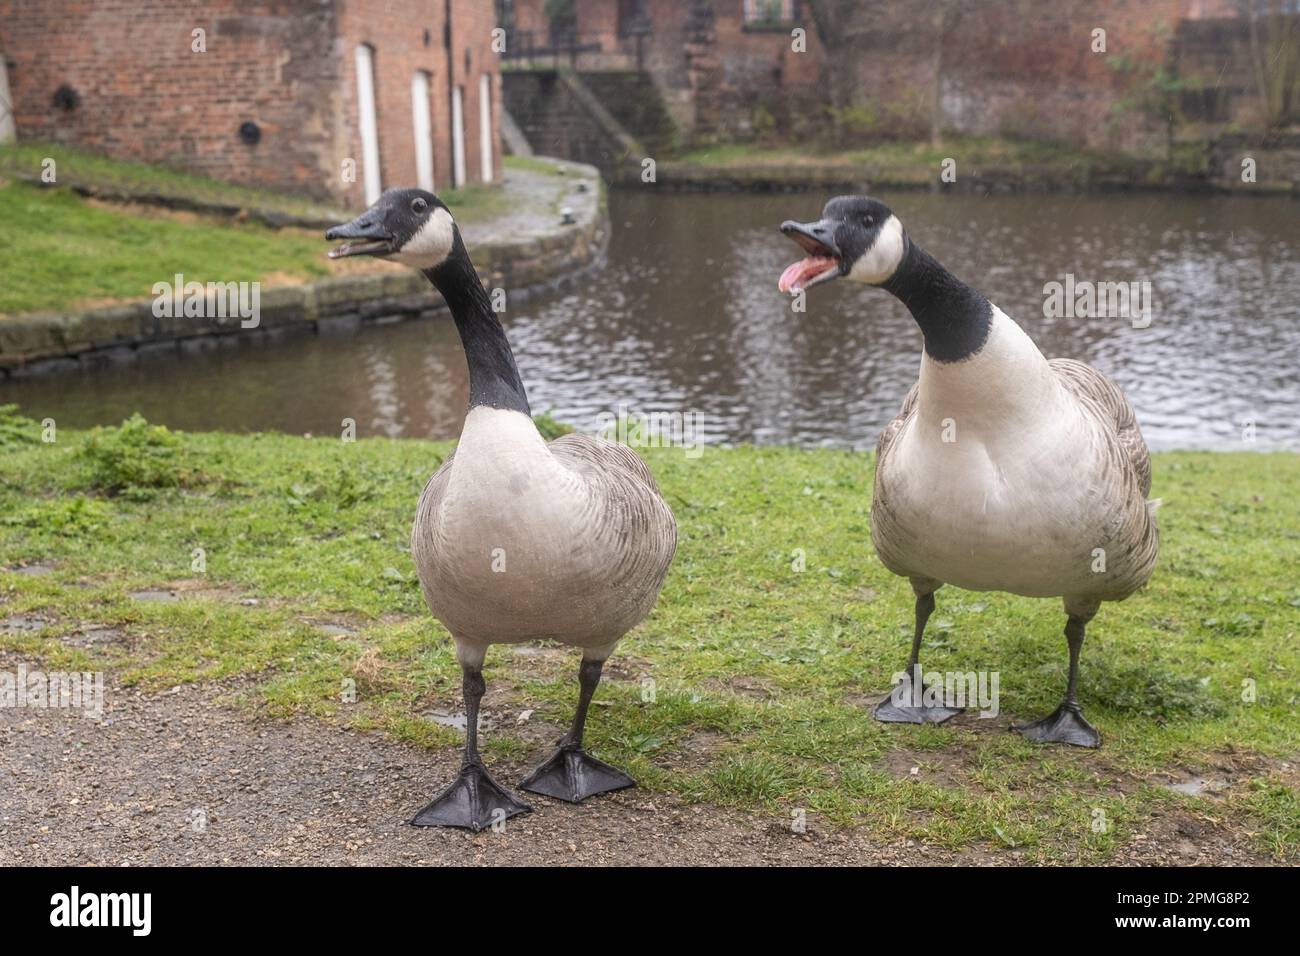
{"points": [[796, 274]]}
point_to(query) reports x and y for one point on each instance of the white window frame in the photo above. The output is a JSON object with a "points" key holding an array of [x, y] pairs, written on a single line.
{"points": [[368, 121], [755, 11], [485, 126], [458, 136], [422, 129]]}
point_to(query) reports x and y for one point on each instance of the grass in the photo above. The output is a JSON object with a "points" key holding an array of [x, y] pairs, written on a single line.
{"points": [[534, 164], [131, 178], [62, 251], [760, 672], [125, 177], [907, 160]]}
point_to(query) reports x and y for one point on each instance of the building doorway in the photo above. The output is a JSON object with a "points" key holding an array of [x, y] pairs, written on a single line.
{"points": [[458, 136], [369, 121], [485, 126], [422, 126]]}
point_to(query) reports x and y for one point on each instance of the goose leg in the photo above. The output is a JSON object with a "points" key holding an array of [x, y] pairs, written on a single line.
{"points": [[571, 773], [903, 705], [1066, 724], [474, 801]]}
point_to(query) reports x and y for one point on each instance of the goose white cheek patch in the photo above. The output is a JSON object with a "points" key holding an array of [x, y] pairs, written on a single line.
{"points": [[881, 261], [430, 245]]}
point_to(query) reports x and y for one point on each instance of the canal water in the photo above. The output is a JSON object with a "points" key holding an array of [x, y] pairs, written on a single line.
{"points": [[686, 318]]}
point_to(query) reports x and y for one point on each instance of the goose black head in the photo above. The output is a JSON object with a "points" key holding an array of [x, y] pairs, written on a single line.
{"points": [[409, 226], [857, 238]]}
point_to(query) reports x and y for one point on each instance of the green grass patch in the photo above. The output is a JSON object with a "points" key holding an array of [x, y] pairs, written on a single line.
{"points": [[533, 164], [61, 251], [146, 179], [904, 160], [16, 428], [152, 181], [750, 683], [135, 458]]}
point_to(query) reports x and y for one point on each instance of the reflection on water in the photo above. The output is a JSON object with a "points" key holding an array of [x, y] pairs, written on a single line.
{"points": [[687, 317]]}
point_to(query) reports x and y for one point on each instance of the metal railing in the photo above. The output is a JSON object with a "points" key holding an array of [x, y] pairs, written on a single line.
{"points": [[558, 46], [523, 46]]}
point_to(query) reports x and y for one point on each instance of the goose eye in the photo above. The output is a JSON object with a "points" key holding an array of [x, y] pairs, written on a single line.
{"points": [[418, 205], [871, 220]]}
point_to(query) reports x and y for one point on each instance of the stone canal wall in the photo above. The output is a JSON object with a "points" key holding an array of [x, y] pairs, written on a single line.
{"points": [[521, 260]]}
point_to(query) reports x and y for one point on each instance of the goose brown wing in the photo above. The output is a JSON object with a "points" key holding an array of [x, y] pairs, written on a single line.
{"points": [[627, 508], [896, 424], [1110, 405]]}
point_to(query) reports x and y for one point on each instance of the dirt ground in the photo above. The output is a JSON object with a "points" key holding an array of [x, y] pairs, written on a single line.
{"points": [[136, 788]]}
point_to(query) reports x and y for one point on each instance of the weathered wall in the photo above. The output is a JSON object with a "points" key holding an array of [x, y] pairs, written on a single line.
{"points": [[633, 99], [1276, 158], [145, 95], [1016, 68], [408, 35], [1214, 57], [717, 76], [1019, 68], [559, 120], [286, 65], [749, 80]]}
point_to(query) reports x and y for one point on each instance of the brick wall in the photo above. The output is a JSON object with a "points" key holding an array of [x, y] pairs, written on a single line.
{"points": [[145, 95], [1016, 68], [1214, 56], [720, 77], [286, 65], [555, 123], [716, 75], [1019, 68], [408, 35]]}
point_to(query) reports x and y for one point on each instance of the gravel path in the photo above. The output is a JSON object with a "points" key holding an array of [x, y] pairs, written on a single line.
{"points": [[130, 790], [534, 202]]}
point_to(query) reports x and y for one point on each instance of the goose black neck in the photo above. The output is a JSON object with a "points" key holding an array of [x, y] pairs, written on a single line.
{"points": [[493, 376], [953, 317]]}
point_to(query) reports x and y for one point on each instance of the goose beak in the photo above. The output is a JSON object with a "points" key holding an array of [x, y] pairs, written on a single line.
{"points": [[823, 261], [371, 238]]}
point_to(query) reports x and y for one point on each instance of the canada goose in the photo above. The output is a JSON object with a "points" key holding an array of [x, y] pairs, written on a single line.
{"points": [[515, 539], [1003, 471]]}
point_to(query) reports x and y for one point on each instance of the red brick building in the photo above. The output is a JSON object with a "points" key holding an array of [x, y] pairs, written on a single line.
{"points": [[1074, 71], [720, 65], [876, 69], [335, 98]]}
